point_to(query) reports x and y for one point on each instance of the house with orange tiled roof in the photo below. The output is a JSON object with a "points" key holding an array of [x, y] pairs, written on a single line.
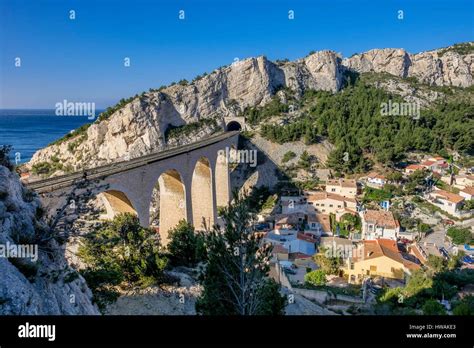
{"points": [[379, 258], [379, 224], [447, 201], [375, 179], [467, 193], [413, 168]]}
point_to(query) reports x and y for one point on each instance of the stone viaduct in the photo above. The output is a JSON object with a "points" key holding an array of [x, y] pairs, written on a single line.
{"points": [[193, 180]]}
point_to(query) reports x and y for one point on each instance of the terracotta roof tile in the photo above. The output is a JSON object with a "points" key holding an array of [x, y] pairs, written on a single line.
{"points": [[381, 218], [449, 196]]}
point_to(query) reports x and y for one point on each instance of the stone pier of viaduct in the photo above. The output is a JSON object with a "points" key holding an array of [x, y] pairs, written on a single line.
{"points": [[193, 180]]}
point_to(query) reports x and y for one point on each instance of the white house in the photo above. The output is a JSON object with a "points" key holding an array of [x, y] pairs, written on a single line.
{"points": [[376, 179], [467, 193], [449, 202]]}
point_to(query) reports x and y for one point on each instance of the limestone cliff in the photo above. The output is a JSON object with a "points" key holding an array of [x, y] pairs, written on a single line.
{"points": [[442, 67], [140, 126], [43, 284]]}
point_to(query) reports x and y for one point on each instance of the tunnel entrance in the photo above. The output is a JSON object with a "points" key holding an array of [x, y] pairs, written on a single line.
{"points": [[233, 126]]}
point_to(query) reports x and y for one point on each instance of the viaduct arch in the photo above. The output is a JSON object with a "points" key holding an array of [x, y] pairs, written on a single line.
{"points": [[193, 181]]}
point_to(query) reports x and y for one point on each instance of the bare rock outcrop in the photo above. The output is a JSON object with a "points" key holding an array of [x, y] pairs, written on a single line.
{"points": [[41, 283], [442, 67]]}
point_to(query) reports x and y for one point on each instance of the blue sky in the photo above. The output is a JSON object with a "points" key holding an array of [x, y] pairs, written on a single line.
{"points": [[82, 59]]}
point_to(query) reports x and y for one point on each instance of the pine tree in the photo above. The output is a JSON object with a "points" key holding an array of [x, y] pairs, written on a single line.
{"points": [[236, 278]]}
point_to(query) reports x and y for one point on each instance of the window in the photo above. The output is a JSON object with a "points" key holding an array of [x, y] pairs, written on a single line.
{"points": [[330, 205], [322, 204], [333, 190], [339, 206], [373, 268], [352, 265]]}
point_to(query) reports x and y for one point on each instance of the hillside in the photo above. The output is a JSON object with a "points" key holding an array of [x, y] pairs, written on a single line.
{"points": [[141, 124]]}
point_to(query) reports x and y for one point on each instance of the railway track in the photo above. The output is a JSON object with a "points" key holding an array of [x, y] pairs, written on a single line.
{"points": [[54, 183]]}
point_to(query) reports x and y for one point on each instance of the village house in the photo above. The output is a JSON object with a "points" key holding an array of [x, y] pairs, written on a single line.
{"points": [[449, 202], [435, 164], [330, 203], [379, 224], [292, 241], [318, 225], [376, 180], [413, 168], [279, 253], [379, 258], [337, 246], [342, 187], [467, 193], [464, 180], [289, 221], [293, 204]]}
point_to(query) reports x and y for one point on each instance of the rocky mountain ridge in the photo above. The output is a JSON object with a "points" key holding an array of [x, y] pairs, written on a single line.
{"points": [[140, 126]]}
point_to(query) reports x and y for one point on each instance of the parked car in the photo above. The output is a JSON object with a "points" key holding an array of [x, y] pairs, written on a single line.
{"points": [[444, 252], [468, 259]]}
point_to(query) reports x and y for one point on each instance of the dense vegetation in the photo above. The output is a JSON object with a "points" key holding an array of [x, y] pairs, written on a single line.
{"points": [[186, 246], [460, 235], [352, 121], [121, 251]]}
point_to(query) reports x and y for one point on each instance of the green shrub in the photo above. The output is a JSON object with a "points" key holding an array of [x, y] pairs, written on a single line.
{"points": [[124, 247], [288, 156], [460, 235], [185, 245], [317, 277], [433, 307]]}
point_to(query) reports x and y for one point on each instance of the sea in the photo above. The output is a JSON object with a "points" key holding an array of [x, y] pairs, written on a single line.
{"points": [[30, 130]]}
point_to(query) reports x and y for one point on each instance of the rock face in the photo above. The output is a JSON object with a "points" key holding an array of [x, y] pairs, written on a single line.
{"points": [[442, 67], [46, 286], [139, 127]]}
